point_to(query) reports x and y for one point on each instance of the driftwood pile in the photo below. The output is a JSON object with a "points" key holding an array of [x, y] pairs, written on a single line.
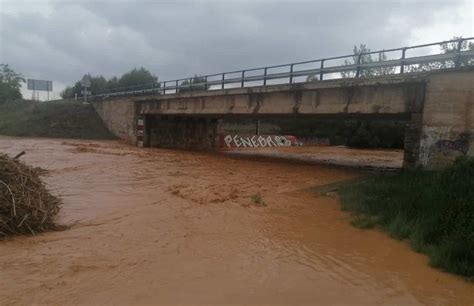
{"points": [[26, 206]]}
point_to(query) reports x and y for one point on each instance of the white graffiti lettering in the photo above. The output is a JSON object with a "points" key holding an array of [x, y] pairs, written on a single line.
{"points": [[257, 141], [270, 142], [228, 140], [237, 141], [246, 142], [254, 143]]}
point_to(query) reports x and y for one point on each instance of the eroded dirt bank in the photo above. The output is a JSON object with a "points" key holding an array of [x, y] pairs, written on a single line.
{"points": [[171, 227]]}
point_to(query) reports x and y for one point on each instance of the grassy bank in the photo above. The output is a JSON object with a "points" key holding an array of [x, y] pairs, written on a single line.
{"points": [[59, 119], [434, 211]]}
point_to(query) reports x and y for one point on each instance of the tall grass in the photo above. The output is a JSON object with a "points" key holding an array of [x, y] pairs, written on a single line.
{"points": [[434, 211], [60, 119]]}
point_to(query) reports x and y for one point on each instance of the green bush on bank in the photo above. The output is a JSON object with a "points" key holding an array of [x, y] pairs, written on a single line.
{"points": [[433, 210]]}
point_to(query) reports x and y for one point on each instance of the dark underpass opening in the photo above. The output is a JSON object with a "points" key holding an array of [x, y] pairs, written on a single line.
{"points": [[364, 141], [366, 133]]}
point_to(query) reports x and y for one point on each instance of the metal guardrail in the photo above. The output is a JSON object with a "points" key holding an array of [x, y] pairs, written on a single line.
{"points": [[456, 56]]}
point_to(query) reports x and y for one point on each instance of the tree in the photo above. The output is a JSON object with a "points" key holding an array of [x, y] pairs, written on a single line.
{"points": [[70, 91], [446, 48], [98, 85], [10, 83], [135, 77], [197, 84], [382, 57], [112, 83], [365, 58], [312, 78], [452, 47]]}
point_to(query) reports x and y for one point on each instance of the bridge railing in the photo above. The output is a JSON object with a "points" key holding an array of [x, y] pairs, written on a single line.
{"points": [[457, 53]]}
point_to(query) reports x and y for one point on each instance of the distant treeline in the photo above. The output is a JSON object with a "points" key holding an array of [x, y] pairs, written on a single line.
{"points": [[100, 84], [136, 77]]}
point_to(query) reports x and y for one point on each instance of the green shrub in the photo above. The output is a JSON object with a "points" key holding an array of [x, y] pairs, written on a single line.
{"points": [[433, 210], [257, 199]]}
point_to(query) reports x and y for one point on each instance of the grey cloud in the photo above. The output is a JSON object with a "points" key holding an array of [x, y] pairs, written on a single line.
{"points": [[177, 39]]}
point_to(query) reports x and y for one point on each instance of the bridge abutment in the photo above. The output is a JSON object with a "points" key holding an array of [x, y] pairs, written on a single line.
{"points": [[447, 125]]}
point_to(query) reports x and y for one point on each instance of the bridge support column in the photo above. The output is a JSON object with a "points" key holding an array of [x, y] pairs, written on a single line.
{"points": [[184, 132], [413, 132]]}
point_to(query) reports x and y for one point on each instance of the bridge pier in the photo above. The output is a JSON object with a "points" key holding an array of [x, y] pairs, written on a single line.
{"points": [[182, 132]]}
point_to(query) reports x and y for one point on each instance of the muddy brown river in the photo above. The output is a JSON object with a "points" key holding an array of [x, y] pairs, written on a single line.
{"points": [[153, 226]]}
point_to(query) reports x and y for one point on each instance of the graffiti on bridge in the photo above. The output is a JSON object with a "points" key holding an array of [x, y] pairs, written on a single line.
{"points": [[448, 146], [257, 141], [140, 131]]}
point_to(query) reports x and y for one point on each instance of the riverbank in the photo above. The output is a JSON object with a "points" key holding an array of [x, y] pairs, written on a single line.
{"points": [[55, 119], [434, 211]]}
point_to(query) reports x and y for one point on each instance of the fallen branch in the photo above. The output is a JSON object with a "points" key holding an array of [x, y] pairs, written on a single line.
{"points": [[19, 155]]}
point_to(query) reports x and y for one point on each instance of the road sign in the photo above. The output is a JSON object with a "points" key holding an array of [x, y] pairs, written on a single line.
{"points": [[86, 92], [39, 85], [86, 81]]}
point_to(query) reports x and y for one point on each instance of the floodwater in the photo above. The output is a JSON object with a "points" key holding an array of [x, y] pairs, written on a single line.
{"points": [[154, 226]]}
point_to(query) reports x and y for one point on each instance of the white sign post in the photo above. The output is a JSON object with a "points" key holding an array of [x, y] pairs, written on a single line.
{"points": [[86, 84]]}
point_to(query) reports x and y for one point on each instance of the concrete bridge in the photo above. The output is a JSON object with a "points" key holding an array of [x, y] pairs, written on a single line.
{"points": [[438, 106]]}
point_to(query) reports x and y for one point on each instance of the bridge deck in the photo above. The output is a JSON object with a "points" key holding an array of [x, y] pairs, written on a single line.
{"points": [[392, 94]]}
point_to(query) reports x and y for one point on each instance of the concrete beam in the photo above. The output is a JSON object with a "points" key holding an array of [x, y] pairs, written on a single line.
{"points": [[394, 95]]}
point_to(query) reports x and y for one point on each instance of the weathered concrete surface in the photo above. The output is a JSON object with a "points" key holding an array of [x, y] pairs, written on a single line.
{"points": [[182, 132], [120, 117], [447, 126], [412, 141], [389, 95], [440, 105]]}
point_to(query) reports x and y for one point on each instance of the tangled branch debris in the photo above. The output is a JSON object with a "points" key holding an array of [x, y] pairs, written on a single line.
{"points": [[26, 206]]}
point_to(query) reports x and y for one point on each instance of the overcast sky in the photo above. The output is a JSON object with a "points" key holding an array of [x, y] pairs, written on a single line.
{"points": [[60, 40]]}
